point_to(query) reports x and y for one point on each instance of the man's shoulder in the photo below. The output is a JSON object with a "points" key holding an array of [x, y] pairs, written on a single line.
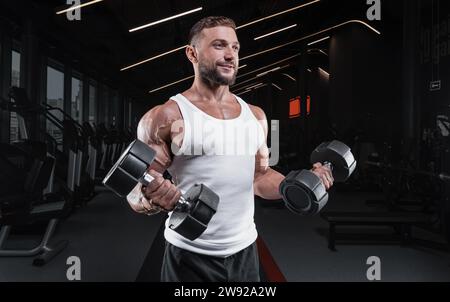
{"points": [[170, 108], [257, 112], [163, 112]]}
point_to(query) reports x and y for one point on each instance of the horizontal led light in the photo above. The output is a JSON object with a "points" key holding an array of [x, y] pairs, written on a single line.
{"points": [[241, 93], [264, 73], [323, 71], [152, 58], [289, 76], [276, 86], [272, 70], [77, 7], [248, 86], [256, 86], [318, 41], [317, 50], [250, 80], [165, 19], [270, 65], [277, 14], [275, 32], [173, 83], [264, 51]]}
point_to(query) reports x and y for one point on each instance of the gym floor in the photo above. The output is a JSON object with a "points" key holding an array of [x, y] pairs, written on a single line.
{"points": [[115, 244]]}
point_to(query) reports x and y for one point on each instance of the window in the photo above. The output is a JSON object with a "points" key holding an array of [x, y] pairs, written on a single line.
{"points": [[76, 104], [55, 98], [92, 103], [15, 81]]}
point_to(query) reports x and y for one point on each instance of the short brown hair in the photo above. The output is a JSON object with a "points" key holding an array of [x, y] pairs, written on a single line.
{"points": [[209, 22]]}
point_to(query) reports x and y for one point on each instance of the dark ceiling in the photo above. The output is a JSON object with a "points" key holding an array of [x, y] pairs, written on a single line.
{"points": [[101, 37]]}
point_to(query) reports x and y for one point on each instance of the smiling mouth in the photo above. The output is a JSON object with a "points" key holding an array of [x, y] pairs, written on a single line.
{"points": [[226, 66]]}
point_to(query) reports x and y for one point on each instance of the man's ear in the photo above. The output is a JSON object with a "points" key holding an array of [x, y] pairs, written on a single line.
{"points": [[191, 54]]}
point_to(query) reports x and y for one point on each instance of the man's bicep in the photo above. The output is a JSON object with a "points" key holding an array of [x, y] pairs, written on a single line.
{"points": [[151, 130], [262, 155]]}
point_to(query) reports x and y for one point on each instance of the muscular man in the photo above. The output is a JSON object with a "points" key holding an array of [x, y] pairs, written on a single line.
{"points": [[209, 135]]}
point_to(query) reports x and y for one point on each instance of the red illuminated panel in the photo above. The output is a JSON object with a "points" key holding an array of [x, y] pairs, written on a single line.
{"points": [[294, 107], [308, 105]]}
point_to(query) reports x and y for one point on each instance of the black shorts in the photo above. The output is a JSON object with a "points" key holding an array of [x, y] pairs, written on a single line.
{"points": [[180, 265]]}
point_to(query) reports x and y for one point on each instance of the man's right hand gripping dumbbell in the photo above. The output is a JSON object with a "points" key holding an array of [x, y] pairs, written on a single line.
{"points": [[148, 192], [159, 194]]}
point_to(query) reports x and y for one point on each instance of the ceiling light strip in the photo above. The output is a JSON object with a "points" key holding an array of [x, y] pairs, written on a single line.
{"points": [[152, 58], [166, 19], [277, 14], [252, 79], [276, 86], [270, 65], [77, 7], [290, 77], [318, 41], [257, 87], [247, 86], [168, 85], [275, 32], [241, 93], [327, 73]]}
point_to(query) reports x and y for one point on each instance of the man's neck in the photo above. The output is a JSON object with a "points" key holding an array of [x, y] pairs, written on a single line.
{"points": [[209, 93]]}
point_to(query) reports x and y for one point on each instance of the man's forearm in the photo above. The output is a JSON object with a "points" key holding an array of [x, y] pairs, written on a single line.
{"points": [[267, 185], [134, 200]]}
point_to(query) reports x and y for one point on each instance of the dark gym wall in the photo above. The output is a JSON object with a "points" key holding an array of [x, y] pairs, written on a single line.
{"points": [[433, 63], [319, 90], [365, 84], [433, 38]]}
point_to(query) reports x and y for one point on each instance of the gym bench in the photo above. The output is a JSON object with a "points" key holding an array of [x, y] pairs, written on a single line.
{"points": [[400, 221]]}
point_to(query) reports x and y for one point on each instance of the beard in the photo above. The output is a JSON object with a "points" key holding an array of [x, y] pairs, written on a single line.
{"points": [[212, 75]]}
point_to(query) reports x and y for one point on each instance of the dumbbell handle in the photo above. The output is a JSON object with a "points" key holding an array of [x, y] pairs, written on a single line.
{"points": [[182, 204], [329, 165]]}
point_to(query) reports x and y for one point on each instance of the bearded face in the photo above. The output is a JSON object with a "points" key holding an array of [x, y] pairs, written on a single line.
{"points": [[220, 72]]}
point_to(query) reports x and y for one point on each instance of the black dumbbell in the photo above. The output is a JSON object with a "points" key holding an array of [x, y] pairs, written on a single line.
{"points": [[303, 191], [192, 212]]}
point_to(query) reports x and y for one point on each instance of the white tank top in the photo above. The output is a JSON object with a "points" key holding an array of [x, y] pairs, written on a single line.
{"points": [[220, 154]]}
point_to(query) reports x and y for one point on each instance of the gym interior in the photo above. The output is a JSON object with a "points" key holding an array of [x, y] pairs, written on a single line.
{"points": [[77, 76]]}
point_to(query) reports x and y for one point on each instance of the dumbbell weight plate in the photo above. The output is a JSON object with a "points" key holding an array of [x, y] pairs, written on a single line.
{"points": [[303, 192], [193, 222], [129, 168], [339, 155]]}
